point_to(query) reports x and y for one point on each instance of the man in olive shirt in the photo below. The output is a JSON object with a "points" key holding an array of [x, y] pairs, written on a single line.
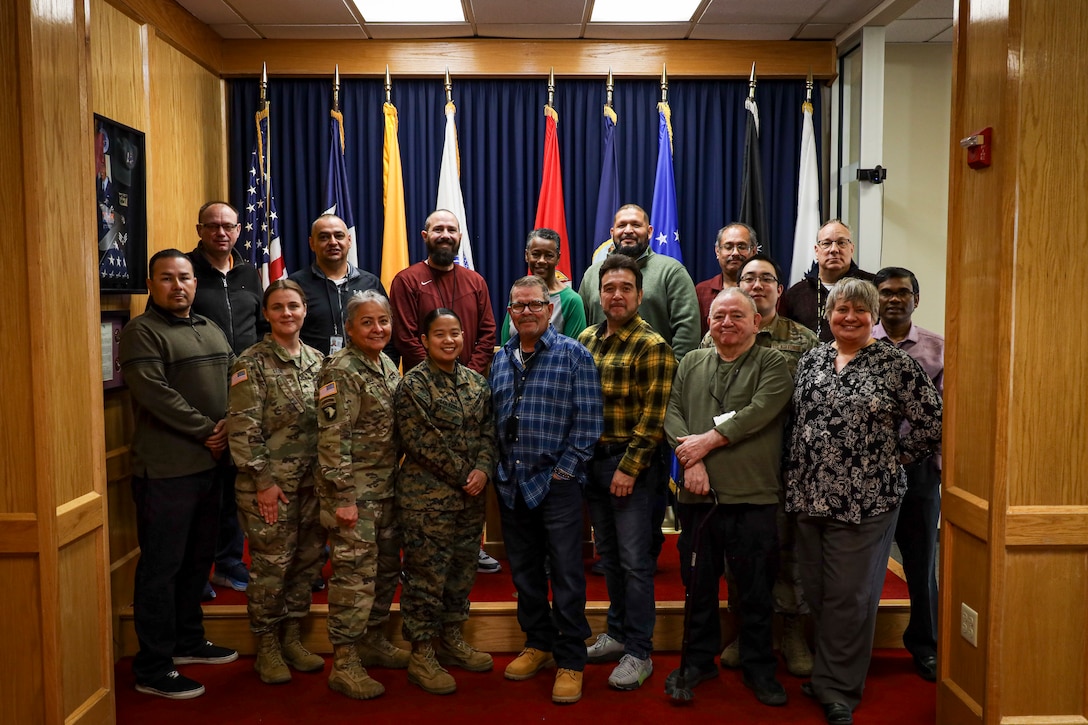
{"points": [[725, 419]]}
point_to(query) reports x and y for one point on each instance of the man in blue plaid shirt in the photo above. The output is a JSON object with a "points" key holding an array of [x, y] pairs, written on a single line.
{"points": [[547, 401]]}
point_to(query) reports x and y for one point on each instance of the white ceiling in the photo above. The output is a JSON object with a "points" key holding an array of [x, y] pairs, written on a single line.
{"points": [[922, 20]]}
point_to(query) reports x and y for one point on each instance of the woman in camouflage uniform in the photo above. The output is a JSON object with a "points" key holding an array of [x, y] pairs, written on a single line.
{"points": [[272, 423], [446, 430]]}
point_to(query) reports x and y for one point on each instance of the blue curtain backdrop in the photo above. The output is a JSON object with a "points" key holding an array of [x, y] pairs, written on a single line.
{"points": [[500, 126]]}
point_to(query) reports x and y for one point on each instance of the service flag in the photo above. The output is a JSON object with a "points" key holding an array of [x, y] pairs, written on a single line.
{"points": [[550, 211], [664, 216], [395, 234], [337, 191], [261, 233], [752, 211], [450, 197], [608, 197], [808, 201]]}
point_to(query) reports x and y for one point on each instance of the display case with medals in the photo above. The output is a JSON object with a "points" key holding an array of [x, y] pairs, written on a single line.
{"points": [[120, 182]]}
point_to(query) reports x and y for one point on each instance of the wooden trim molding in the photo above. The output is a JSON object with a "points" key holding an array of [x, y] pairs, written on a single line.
{"points": [[967, 511], [18, 534], [177, 26], [530, 58], [79, 517], [1047, 526]]}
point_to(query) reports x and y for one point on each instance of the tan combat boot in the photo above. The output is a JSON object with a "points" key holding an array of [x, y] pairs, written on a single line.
{"points": [[295, 654], [424, 670], [377, 651], [568, 687], [794, 647], [452, 649], [348, 676], [731, 654], [270, 665]]}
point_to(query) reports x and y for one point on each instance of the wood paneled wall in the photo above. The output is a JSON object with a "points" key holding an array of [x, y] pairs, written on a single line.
{"points": [[54, 616], [139, 78], [1015, 531]]}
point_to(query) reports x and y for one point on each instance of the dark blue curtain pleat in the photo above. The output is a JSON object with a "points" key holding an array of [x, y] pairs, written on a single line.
{"points": [[500, 126]]}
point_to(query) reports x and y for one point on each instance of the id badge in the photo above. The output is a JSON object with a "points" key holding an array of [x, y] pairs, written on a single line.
{"points": [[336, 344]]}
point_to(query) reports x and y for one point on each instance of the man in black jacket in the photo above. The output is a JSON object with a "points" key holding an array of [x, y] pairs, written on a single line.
{"points": [[228, 292]]}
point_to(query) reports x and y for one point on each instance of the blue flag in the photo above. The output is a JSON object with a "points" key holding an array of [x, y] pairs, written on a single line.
{"points": [[664, 217], [337, 194], [608, 198], [260, 233]]}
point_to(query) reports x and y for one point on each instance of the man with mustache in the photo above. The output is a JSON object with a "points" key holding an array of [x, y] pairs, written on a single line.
{"points": [[736, 243], [804, 301]]}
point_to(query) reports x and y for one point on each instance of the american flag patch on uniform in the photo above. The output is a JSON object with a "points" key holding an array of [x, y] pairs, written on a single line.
{"points": [[326, 391], [239, 377]]}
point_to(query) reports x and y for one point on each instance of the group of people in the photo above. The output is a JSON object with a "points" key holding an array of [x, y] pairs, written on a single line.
{"points": [[584, 401]]}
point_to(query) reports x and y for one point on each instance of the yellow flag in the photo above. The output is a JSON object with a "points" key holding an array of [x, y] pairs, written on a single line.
{"points": [[395, 235]]}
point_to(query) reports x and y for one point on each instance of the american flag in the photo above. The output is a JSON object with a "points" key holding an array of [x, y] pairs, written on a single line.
{"points": [[261, 230]]}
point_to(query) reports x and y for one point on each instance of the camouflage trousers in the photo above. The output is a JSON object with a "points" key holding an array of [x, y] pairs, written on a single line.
{"points": [[787, 594], [440, 557], [365, 569], [285, 557]]}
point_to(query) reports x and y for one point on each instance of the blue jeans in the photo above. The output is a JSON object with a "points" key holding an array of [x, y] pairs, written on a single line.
{"points": [[622, 531], [550, 532]]}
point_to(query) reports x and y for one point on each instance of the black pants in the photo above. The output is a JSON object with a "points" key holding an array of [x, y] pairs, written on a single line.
{"points": [[916, 535], [746, 536], [176, 522]]}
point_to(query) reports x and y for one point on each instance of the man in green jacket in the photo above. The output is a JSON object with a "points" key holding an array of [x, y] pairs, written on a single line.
{"points": [[725, 419]]}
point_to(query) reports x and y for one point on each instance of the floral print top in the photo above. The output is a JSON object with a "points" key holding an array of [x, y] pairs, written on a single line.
{"points": [[844, 449]]}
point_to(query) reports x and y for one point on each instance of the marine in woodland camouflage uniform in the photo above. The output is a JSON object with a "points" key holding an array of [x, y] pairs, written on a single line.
{"points": [[445, 428], [272, 428], [357, 463]]}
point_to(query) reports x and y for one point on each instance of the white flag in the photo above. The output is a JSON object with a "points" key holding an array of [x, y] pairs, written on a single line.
{"points": [[808, 201], [449, 187]]}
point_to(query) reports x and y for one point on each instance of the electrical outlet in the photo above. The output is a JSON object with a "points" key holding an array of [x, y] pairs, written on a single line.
{"points": [[969, 624]]}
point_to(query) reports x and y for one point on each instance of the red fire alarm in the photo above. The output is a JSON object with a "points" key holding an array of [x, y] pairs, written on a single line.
{"points": [[979, 148]]}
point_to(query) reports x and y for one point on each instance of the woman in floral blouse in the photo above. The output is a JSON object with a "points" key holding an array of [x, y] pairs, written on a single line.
{"points": [[862, 409]]}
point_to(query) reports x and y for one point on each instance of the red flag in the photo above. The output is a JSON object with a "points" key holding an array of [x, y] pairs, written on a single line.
{"points": [[550, 211]]}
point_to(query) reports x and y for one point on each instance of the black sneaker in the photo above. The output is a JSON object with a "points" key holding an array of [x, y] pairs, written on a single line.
{"points": [[173, 686], [770, 692], [207, 654]]}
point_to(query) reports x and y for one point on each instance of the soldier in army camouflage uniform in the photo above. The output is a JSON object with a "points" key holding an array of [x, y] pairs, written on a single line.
{"points": [[357, 464], [446, 431], [272, 426]]}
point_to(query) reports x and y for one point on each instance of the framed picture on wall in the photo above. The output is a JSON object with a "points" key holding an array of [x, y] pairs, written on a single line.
{"points": [[120, 183]]}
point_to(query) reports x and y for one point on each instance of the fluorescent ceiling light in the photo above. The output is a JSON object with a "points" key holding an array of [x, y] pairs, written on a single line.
{"points": [[643, 11], [411, 11]]}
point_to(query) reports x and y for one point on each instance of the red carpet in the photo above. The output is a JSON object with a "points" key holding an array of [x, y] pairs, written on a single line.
{"points": [[894, 696], [500, 588]]}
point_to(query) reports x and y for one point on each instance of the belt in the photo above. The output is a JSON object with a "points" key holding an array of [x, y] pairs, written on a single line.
{"points": [[608, 450]]}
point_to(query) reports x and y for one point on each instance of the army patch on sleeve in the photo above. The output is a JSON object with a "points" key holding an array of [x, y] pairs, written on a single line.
{"points": [[326, 402], [326, 391], [239, 377]]}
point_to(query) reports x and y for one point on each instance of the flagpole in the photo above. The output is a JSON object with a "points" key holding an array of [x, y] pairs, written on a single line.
{"points": [[268, 155], [608, 86], [664, 84], [752, 83], [388, 85], [449, 86]]}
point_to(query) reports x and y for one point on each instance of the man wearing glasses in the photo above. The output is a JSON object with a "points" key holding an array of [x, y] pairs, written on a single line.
{"points": [[804, 301], [735, 244], [547, 401], [228, 292]]}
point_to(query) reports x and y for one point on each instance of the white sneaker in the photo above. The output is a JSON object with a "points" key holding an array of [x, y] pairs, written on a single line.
{"points": [[605, 649], [487, 564], [630, 673]]}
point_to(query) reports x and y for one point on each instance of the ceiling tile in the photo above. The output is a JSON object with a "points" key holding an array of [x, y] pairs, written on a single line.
{"points": [[648, 31], [945, 37], [915, 31], [844, 11], [532, 32], [211, 12], [930, 9], [393, 31], [821, 31], [764, 11], [549, 12], [293, 12], [311, 32], [736, 31], [236, 32]]}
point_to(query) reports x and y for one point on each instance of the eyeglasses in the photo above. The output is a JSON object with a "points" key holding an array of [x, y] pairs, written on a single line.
{"points": [[729, 247], [767, 279], [213, 227], [534, 305], [891, 294], [826, 244]]}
